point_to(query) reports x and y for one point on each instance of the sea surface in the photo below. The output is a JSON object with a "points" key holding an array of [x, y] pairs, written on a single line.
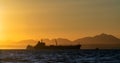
{"points": [[60, 56]]}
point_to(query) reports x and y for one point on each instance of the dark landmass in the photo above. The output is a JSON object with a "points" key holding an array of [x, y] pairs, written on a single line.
{"points": [[102, 41]]}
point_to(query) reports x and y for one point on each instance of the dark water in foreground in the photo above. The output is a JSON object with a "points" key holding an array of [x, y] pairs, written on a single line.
{"points": [[60, 56]]}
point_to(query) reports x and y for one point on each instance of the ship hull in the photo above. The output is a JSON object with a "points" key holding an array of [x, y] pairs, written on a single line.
{"points": [[57, 47]]}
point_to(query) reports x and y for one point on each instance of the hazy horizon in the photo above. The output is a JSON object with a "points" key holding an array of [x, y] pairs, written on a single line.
{"points": [[102, 41]]}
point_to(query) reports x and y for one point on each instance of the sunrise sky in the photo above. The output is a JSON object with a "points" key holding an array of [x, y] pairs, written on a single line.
{"points": [[72, 19]]}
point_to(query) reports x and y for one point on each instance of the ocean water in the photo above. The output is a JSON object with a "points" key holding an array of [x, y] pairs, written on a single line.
{"points": [[60, 56]]}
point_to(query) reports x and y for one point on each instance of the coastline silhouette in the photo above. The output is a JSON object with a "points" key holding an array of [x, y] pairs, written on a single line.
{"points": [[102, 41]]}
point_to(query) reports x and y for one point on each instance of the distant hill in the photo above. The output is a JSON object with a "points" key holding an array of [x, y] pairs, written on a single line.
{"points": [[30, 41], [102, 38], [100, 41], [60, 41]]}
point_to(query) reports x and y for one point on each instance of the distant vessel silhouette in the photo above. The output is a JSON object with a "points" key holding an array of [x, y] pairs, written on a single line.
{"points": [[41, 45]]}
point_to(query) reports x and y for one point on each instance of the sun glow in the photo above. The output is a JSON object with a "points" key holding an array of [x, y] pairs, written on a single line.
{"points": [[1, 23], [33, 19]]}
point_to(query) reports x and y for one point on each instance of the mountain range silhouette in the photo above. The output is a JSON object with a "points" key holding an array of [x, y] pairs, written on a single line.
{"points": [[102, 38], [99, 41]]}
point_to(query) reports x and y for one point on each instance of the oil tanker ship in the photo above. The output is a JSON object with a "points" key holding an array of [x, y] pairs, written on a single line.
{"points": [[41, 46]]}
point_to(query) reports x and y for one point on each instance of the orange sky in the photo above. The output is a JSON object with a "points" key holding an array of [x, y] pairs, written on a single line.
{"points": [[36, 19]]}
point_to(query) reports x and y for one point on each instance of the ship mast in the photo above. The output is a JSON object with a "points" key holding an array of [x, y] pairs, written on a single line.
{"points": [[41, 40], [56, 42]]}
